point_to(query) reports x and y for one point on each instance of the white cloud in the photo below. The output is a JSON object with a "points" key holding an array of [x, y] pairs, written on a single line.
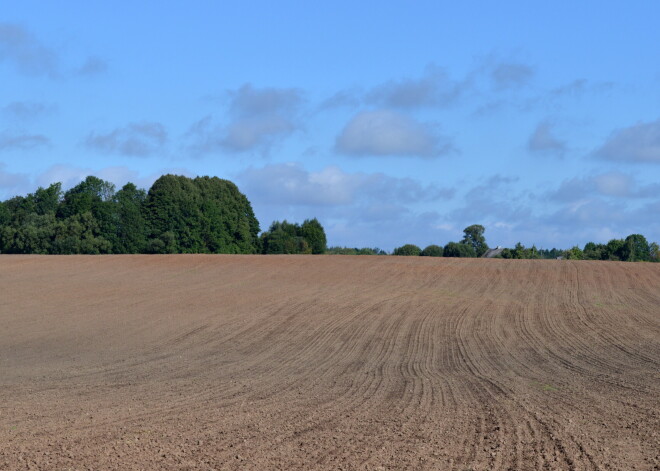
{"points": [[291, 184], [259, 118], [637, 143], [433, 89], [385, 132], [135, 139], [611, 184]]}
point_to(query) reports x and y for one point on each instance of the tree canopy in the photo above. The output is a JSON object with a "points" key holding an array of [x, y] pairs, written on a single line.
{"points": [[177, 215], [407, 250], [291, 238]]}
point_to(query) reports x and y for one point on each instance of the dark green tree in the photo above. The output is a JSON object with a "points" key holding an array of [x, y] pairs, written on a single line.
{"points": [[654, 250], [574, 253], [408, 250], [312, 231], [130, 223], [200, 216], [284, 238], [94, 196], [614, 250], [593, 251], [474, 237], [636, 249], [5, 216], [432, 251], [458, 249]]}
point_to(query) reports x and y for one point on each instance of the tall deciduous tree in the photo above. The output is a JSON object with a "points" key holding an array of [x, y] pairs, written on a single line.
{"points": [[474, 237]]}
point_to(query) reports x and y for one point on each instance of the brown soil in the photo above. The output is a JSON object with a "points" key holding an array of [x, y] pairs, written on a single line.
{"points": [[328, 362]]}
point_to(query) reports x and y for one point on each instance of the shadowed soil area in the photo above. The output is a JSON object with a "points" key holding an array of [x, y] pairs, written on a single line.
{"points": [[328, 362]]}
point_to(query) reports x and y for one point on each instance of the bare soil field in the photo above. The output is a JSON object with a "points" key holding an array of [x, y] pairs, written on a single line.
{"points": [[328, 362]]}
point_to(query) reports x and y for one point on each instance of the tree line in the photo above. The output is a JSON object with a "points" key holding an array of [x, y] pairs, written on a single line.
{"points": [[210, 215], [634, 248], [177, 215]]}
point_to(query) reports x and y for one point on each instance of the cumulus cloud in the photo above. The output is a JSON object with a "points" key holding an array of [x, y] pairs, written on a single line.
{"points": [[22, 141], [637, 143], [21, 49], [259, 118], [291, 184], [385, 132], [611, 184], [136, 139], [433, 89], [495, 199], [543, 140]]}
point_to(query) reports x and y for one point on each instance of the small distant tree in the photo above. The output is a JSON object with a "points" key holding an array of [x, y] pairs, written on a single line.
{"points": [[408, 249], [432, 251], [457, 249], [574, 253], [654, 250]]}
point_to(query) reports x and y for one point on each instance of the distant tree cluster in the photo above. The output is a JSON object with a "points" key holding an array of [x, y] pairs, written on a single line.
{"points": [[177, 215], [292, 238], [355, 251], [634, 248], [472, 245]]}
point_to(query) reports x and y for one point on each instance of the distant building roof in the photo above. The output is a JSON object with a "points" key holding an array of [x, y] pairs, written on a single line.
{"points": [[490, 253]]}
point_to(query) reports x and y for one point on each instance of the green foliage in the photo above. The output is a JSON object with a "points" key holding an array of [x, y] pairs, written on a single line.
{"points": [[130, 223], [432, 251], [178, 215], [636, 249], [407, 250], [521, 252], [551, 254], [312, 231], [5, 215], [292, 238], [594, 251], [79, 234], [355, 251], [459, 249], [201, 215], [654, 252], [574, 254], [474, 237]]}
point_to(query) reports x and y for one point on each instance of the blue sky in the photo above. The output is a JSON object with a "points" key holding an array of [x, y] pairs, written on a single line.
{"points": [[392, 122]]}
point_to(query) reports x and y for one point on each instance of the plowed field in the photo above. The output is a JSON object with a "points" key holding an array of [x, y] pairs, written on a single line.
{"points": [[328, 362]]}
